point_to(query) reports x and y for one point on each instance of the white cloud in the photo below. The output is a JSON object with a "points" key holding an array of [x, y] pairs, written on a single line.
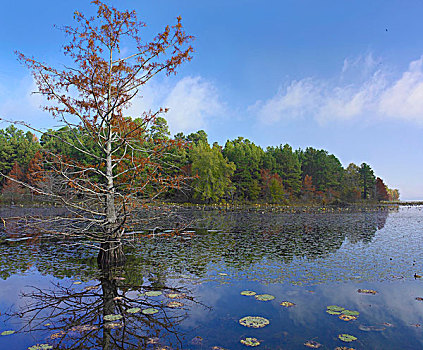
{"points": [[362, 90], [193, 102]]}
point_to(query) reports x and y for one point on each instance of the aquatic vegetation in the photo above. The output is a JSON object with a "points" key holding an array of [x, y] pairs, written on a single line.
{"points": [[344, 317], [343, 348], [250, 342], [331, 312], [150, 311], [174, 304], [350, 313], [41, 347], [287, 304], [264, 297], [133, 310], [111, 325], [335, 308], [223, 274], [176, 295], [367, 291], [112, 317], [312, 344], [254, 321], [347, 337], [248, 293], [77, 282], [7, 332], [153, 293]]}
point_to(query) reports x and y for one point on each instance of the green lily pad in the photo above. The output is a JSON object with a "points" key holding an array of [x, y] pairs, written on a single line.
{"points": [[133, 310], [150, 311], [330, 312], [7, 332], [264, 297], [153, 293], [287, 304], [174, 304], [350, 313], [77, 282], [223, 274], [335, 308], [254, 321], [111, 325], [248, 293], [41, 347], [347, 337], [250, 341], [112, 317]]}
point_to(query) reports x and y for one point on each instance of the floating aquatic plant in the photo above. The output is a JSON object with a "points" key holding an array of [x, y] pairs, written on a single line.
{"points": [[110, 325], [343, 348], [347, 337], [133, 310], [312, 344], [254, 321], [287, 304], [335, 308], [150, 311], [153, 293], [264, 297], [175, 304], [176, 295], [350, 313], [331, 312], [7, 332], [248, 293], [344, 317], [40, 347], [112, 317], [218, 348], [366, 291], [223, 274], [250, 342]]}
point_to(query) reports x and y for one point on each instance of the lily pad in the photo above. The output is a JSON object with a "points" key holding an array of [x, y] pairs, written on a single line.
{"points": [[174, 304], [367, 291], [343, 348], [176, 295], [350, 313], [218, 348], [7, 332], [110, 325], [344, 317], [250, 341], [330, 312], [287, 304], [264, 297], [223, 274], [77, 282], [347, 337], [150, 311], [254, 321], [312, 344], [133, 310], [153, 293], [41, 347], [112, 317], [248, 293], [335, 308]]}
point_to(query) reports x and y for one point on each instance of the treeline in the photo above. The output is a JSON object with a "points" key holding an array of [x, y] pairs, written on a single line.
{"points": [[239, 171]]}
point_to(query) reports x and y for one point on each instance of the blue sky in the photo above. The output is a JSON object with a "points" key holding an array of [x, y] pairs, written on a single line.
{"points": [[346, 76]]}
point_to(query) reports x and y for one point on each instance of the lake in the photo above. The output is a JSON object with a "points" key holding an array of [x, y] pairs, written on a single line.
{"points": [[325, 279]]}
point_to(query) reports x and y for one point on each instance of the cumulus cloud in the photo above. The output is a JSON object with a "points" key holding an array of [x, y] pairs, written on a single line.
{"points": [[192, 101], [362, 89]]}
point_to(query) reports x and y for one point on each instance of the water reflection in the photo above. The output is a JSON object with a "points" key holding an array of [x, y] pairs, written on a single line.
{"points": [[110, 313]]}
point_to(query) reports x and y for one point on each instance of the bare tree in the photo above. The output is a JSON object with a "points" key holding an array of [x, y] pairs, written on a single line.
{"points": [[113, 165]]}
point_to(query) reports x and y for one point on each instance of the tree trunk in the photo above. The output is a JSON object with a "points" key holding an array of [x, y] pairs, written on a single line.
{"points": [[111, 254]]}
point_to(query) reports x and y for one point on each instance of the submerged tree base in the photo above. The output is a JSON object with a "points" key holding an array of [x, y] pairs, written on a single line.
{"points": [[111, 254]]}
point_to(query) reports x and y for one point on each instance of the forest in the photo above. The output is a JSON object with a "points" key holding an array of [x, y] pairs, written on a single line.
{"points": [[238, 172]]}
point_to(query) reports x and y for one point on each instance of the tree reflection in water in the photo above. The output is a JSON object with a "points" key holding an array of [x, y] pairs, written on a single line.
{"points": [[74, 316]]}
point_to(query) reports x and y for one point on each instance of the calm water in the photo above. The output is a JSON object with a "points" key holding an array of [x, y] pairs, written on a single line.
{"points": [[184, 292]]}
